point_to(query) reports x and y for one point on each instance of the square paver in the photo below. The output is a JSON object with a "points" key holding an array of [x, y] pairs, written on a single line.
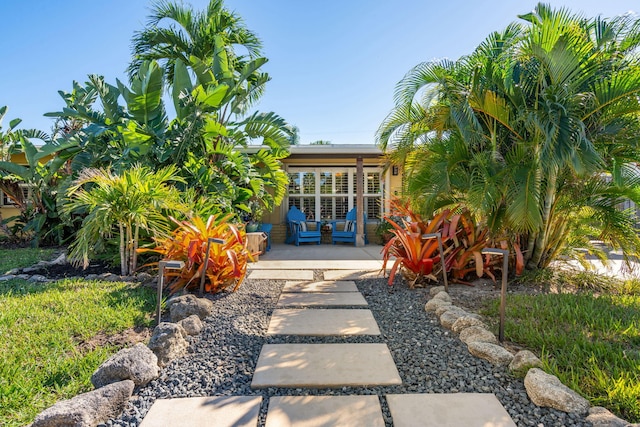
{"points": [[324, 411], [323, 286], [282, 274], [321, 299], [325, 366], [227, 411], [322, 322], [448, 410], [351, 274]]}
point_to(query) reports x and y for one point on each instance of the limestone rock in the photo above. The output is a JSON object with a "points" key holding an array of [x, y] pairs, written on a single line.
{"points": [[493, 353], [477, 334], [601, 417], [192, 324], [433, 304], [449, 317], [38, 278], [435, 290], [447, 307], [465, 322], [184, 306], [442, 295], [7, 277], [547, 390], [168, 342], [12, 272], [88, 409], [524, 360], [60, 260], [137, 363]]}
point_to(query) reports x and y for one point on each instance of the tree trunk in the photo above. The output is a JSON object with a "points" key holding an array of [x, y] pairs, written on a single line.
{"points": [[134, 251], [547, 216], [123, 257]]}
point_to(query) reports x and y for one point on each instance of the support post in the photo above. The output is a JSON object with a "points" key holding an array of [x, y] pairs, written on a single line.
{"points": [[162, 265], [503, 291], [210, 240], [438, 237], [359, 202]]}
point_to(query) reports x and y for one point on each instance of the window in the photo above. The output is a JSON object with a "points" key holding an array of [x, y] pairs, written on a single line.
{"points": [[26, 194], [329, 194]]}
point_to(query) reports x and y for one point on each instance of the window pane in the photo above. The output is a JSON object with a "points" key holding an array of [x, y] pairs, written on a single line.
{"points": [[373, 183], [342, 182], [372, 207], [308, 183], [326, 208], [342, 207], [294, 183], [306, 204], [326, 181]]}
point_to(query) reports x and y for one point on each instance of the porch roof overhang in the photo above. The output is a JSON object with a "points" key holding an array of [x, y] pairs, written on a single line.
{"points": [[335, 151]]}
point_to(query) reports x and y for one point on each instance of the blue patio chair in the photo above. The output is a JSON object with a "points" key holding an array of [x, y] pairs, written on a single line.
{"points": [[348, 233], [297, 228]]}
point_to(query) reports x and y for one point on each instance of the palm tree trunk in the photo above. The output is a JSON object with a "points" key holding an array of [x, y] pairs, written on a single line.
{"points": [[123, 256], [543, 237], [134, 250]]}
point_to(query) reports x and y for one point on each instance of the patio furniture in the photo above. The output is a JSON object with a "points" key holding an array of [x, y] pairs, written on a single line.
{"points": [[297, 228], [348, 233], [266, 229]]}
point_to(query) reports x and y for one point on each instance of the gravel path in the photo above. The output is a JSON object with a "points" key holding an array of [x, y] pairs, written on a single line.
{"points": [[429, 358]]}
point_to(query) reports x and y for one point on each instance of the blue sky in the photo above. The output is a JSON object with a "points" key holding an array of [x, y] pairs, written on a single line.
{"points": [[333, 63]]}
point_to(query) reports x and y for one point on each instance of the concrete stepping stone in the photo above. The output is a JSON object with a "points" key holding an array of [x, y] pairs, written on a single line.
{"points": [[322, 322], [320, 299], [227, 411], [448, 410], [324, 286], [325, 366], [282, 274], [351, 274], [324, 411]]}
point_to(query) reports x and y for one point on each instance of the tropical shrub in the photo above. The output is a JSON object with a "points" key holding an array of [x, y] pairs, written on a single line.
{"points": [[122, 205], [535, 132], [227, 264]]}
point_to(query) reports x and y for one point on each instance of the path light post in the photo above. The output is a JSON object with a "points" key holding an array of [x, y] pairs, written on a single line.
{"points": [[162, 265], [503, 292], [438, 237], [210, 240]]}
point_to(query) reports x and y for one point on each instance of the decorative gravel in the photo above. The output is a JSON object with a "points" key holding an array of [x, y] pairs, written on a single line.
{"points": [[429, 358]]}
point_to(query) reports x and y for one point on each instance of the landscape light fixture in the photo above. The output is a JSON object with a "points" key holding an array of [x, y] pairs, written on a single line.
{"points": [[210, 240], [167, 264], [438, 236], [503, 292]]}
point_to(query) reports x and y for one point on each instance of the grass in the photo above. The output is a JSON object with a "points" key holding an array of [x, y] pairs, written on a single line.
{"points": [[42, 328], [23, 257], [589, 340]]}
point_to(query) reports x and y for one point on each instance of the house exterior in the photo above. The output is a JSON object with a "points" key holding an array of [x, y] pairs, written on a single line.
{"points": [[323, 184]]}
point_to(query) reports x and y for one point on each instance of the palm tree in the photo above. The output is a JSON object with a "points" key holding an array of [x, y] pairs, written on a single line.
{"points": [[535, 131], [121, 204]]}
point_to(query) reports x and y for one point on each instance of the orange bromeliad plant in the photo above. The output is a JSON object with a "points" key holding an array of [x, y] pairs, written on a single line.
{"points": [[227, 265]]}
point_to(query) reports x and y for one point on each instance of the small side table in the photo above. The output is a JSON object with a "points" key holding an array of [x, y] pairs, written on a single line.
{"points": [[325, 234], [266, 229]]}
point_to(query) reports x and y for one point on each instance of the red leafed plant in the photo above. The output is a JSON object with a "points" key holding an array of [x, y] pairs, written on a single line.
{"points": [[414, 256], [469, 239], [227, 265]]}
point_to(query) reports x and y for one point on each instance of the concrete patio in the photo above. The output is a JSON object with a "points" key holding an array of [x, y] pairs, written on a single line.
{"points": [[325, 256]]}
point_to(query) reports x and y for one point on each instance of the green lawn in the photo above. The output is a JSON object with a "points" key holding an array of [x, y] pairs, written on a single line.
{"points": [[23, 257], [592, 343], [42, 327]]}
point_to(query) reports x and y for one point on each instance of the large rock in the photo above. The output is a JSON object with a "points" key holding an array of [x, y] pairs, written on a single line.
{"points": [[465, 322], [442, 295], [433, 304], [192, 324], [601, 417], [493, 353], [184, 306], [168, 342], [449, 317], [444, 308], [435, 290], [138, 364], [524, 359], [477, 334], [547, 390], [88, 409]]}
